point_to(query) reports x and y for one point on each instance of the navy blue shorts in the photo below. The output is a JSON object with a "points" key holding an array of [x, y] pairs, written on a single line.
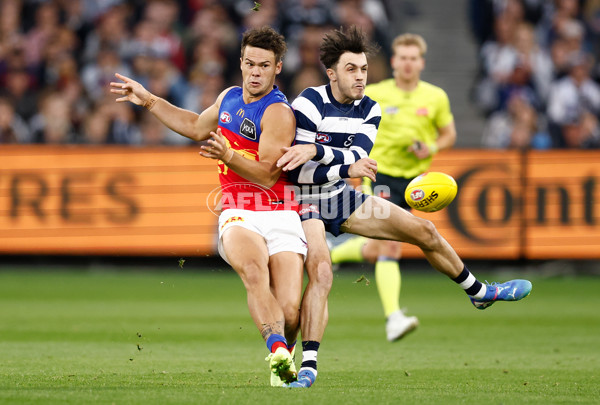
{"points": [[333, 211], [394, 190]]}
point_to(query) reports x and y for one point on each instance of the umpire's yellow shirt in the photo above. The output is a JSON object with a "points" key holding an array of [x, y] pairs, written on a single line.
{"points": [[405, 118]]}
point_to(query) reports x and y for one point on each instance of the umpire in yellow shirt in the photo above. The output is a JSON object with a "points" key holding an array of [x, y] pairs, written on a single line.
{"points": [[416, 123]]}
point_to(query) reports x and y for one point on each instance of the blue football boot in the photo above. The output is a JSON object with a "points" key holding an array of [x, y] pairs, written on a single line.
{"points": [[513, 290], [306, 378]]}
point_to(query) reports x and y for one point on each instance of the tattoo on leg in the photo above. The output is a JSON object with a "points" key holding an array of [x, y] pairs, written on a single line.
{"points": [[268, 329]]}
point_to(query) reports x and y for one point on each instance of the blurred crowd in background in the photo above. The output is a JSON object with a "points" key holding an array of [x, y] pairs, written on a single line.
{"points": [[537, 84], [539, 78], [57, 58]]}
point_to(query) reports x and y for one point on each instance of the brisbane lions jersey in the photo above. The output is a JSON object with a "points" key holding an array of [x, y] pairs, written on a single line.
{"points": [[240, 125]]}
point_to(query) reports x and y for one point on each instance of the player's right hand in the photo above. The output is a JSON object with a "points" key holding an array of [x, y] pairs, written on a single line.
{"points": [[130, 90], [365, 167], [294, 156]]}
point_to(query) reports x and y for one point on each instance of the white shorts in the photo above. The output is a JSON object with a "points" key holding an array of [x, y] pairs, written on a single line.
{"points": [[282, 230]]}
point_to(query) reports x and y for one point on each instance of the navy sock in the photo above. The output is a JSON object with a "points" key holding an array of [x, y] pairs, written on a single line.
{"points": [[470, 284], [309, 355]]}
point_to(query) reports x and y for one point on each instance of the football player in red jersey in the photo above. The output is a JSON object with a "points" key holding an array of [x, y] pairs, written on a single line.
{"points": [[260, 234]]}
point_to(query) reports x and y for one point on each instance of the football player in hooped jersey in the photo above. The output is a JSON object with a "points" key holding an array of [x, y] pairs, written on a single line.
{"points": [[416, 124], [336, 125], [260, 234]]}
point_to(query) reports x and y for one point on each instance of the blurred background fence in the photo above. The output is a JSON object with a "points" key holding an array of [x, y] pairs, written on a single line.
{"points": [[160, 202]]}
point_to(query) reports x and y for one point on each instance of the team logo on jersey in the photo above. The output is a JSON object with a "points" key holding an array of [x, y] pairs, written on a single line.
{"points": [[417, 195], [248, 129], [422, 112], [391, 110], [225, 117], [323, 138]]}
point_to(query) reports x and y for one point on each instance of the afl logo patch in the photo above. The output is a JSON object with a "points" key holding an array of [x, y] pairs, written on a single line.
{"points": [[225, 117], [248, 129], [323, 138], [417, 195]]}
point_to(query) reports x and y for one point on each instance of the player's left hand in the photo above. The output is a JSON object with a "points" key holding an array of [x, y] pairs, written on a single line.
{"points": [[216, 146], [365, 167], [420, 150], [294, 156]]}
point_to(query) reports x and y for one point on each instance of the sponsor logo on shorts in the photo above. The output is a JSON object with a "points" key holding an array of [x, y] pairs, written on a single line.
{"points": [[384, 193], [225, 117], [308, 208], [232, 219]]}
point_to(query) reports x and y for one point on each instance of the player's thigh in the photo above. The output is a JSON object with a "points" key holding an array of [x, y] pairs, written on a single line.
{"points": [[379, 219], [286, 269], [247, 252], [318, 252]]}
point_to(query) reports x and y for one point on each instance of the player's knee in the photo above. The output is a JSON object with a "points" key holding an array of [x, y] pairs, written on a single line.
{"points": [[291, 313], [252, 275], [322, 276], [429, 237]]}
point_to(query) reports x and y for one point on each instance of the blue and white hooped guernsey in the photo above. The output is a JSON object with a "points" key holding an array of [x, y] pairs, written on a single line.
{"points": [[343, 134]]}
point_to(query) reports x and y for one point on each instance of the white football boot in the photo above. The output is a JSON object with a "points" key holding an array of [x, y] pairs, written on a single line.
{"points": [[399, 325]]}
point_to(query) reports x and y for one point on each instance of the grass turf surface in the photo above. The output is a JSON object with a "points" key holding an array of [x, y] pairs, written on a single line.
{"points": [[184, 336]]}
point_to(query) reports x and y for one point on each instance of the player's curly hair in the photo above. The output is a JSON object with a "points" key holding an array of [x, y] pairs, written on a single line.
{"points": [[337, 42], [265, 38]]}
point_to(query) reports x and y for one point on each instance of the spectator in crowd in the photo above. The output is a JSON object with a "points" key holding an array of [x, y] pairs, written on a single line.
{"points": [[97, 126], [12, 127], [111, 32], [17, 85], [519, 126], [52, 125], [574, 105]]}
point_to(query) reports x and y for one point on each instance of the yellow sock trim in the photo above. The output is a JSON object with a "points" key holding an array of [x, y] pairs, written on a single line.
{"points": [[387, 276], [349, 251]]}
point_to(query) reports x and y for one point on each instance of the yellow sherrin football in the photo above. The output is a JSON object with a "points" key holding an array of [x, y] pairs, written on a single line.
{"points": [[431, 191]]}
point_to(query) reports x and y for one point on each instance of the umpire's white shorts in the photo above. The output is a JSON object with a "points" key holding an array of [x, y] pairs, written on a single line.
{"points": [[281, 230]]}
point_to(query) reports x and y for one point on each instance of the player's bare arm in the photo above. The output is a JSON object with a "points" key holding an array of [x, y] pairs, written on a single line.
{"points": [[446, 140], [278, 128], [295, 156], [187, 123], [447, 136]]}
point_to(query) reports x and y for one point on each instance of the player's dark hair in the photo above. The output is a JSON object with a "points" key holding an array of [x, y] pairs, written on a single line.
{"points": [[265, 38], [338, 42]]}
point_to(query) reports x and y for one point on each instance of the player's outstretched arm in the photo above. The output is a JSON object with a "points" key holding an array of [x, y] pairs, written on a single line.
{"points": [[187, 123]]}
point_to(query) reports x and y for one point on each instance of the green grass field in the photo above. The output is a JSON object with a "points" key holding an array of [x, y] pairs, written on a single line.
{"points": [[185, 336]]}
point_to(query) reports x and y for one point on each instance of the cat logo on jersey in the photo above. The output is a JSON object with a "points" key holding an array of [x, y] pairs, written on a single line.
{"points": [[323, 138], [225, 117], [248, 129], [232, 219]]}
